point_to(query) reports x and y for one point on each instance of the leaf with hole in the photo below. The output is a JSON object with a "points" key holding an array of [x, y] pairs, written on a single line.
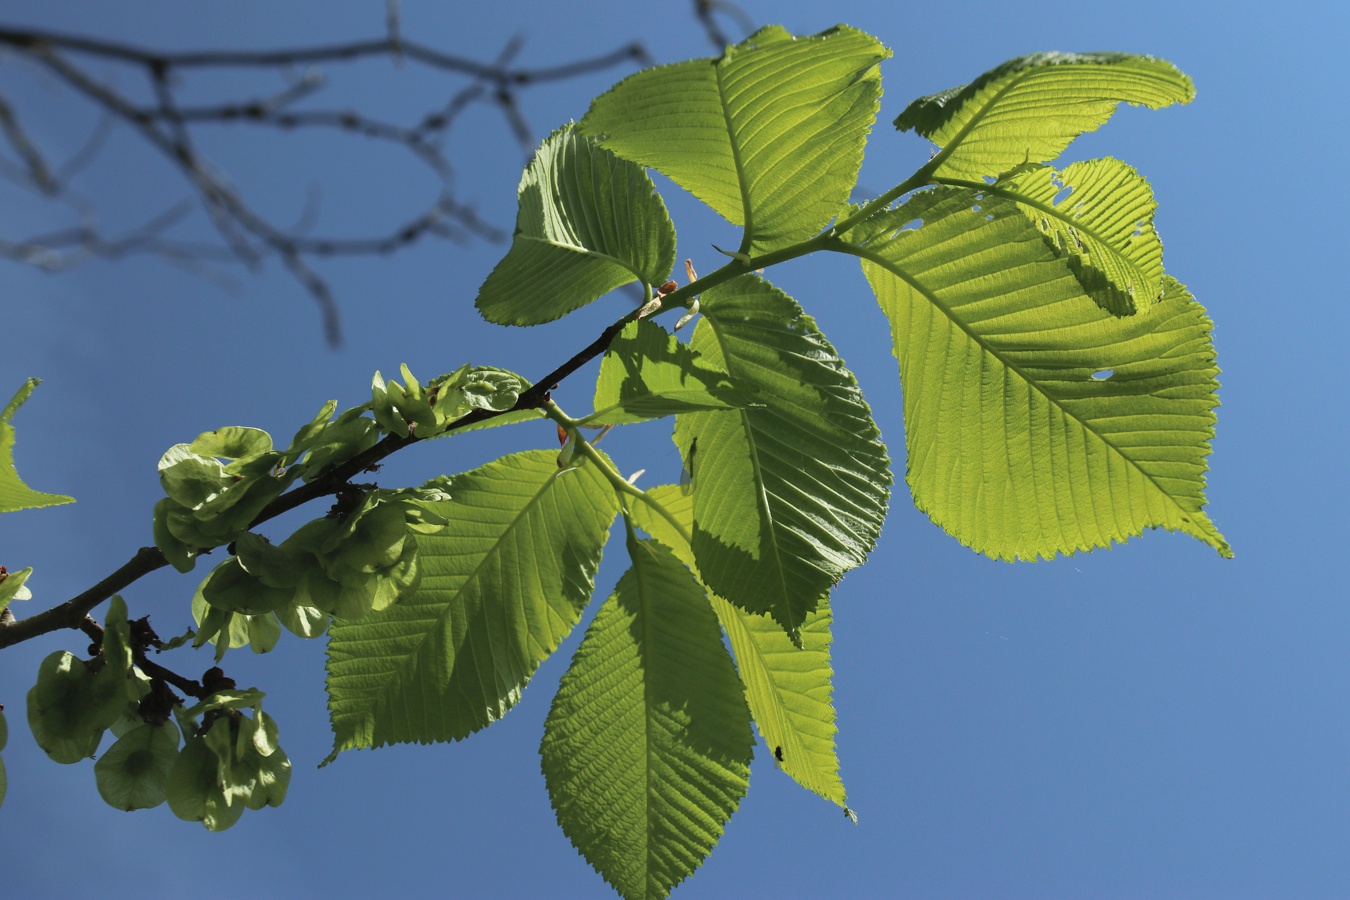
{"points": [[1014, 447], [1030, 108], [1098, 215]]}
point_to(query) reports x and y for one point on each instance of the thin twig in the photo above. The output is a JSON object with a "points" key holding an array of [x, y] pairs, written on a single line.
{"points": [[248, 236]]}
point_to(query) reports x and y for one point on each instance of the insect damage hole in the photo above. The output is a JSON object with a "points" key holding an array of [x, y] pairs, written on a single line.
{"points": [[1103, 374]]}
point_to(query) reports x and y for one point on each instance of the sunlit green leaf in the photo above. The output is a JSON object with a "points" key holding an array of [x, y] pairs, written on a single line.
{"points": [[770, 135], [1029, 109], [647, 373], [788, 688], [502, 584], [1099, 216], [647, 747], [12, 586], [589, 222], [1035, 422], [14, 494], [788, 495]]}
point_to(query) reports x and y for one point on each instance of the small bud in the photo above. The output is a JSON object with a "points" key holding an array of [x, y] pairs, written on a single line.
{"points": [[689, 316]]}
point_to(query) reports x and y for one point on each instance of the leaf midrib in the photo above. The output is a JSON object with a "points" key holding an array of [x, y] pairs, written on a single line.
{"points": [[898, 272], [945, 153], [583, 251], [396, 672], [789, 734], [742, 181], [644, 655], [761, 494]]}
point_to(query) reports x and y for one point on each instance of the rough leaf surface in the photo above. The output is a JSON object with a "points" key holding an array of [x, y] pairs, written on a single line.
{"points": [[647, 747], [502, 585], [588, 223], [1030, 108], [788, 688], [647, 373], [1035, 422], [788, 495], [770, 135], [1098, 215]]}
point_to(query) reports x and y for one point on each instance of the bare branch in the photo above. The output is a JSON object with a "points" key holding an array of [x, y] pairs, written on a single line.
{"points": [[704, 10], [35, 166], [247, 236]]}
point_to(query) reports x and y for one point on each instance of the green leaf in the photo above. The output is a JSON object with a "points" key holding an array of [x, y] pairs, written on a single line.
{"points": [[276, 567], [343, 438], [647, 747], [589, 222], [1030, 108], [502, 584], [12, 586], [647, 373], [1035, 422], [788, 688], [263, 632], [134, 772], [480, 387], [303, 621], [791, 494], [14, 494], [770, 135], [191, 479], [1103, 227]]}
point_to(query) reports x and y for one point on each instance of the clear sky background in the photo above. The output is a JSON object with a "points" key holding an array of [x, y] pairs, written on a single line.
{"points": [[1144, 721]]}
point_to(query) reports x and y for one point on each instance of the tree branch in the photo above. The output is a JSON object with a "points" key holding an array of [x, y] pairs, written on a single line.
{"points": [[247, 235], [73, 613]]}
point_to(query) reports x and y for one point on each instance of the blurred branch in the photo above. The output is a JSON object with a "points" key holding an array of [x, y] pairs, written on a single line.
{"points": [[247, 236], [704, 11]]}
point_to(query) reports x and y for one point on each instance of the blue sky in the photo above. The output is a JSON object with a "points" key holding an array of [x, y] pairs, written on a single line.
{"points": [[1148, 720]]}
